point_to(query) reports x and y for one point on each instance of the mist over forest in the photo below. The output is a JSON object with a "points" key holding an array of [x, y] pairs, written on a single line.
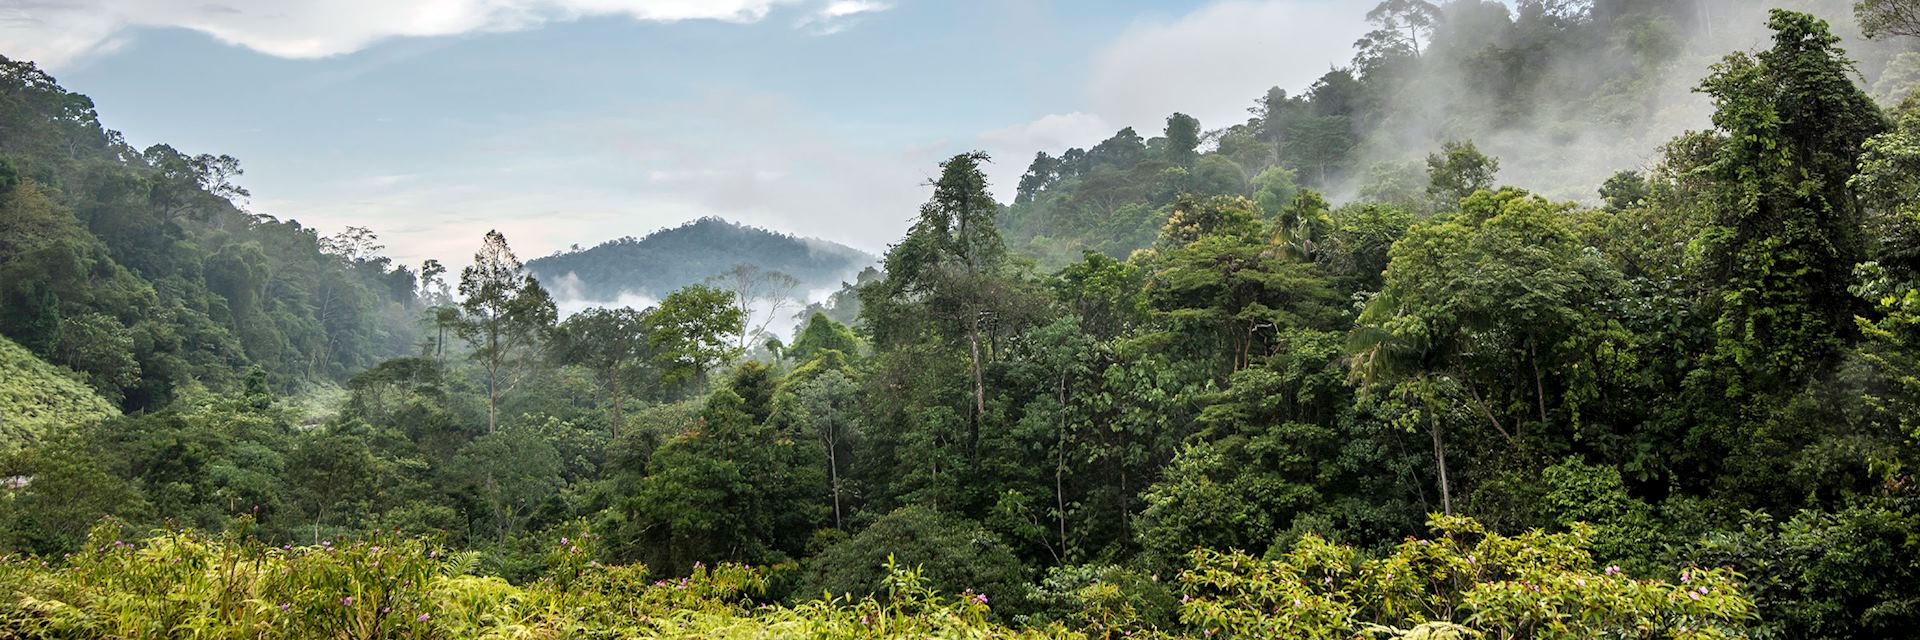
{"points": [[1532, 320]]}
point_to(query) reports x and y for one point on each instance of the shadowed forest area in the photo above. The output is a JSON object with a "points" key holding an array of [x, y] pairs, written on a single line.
{"points": [[1550, 319]]}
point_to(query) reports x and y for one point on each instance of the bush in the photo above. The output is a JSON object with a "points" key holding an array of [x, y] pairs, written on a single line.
{"points": [[952, 554], [1463, 582]]}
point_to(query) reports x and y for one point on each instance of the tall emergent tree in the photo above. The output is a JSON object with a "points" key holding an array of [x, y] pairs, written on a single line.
{"points": [[947, 263], [507, 313], [1780, 251]]}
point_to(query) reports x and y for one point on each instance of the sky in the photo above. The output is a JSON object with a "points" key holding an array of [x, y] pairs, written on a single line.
{"points": [[573, 122]]}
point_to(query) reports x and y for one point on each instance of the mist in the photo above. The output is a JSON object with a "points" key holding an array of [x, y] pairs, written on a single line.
{"points": [[1606, 105]]}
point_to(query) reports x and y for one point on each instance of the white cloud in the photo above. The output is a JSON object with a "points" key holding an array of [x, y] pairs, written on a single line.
{"points": [[843, 8], [1052, 131], [839, 15], [59, 32], [1214, 62]]}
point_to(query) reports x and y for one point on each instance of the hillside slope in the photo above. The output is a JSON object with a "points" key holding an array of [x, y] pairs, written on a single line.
{"points": [[37, 398], [669, 259]]}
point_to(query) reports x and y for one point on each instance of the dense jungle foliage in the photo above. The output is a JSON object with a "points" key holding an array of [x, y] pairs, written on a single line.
{"points": [[1251, 402]]}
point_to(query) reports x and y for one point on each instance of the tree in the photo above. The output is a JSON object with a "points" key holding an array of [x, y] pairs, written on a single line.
{"points": [[1880, 18], [1274, 188], [512, 471], [820, 335], [1193, 218], [731, 489], [752, 285], [1183, 139], [954, 554], [1399, 28], [612, 342], [1500, 309], [1786, 230], [828, 407], [356, 245], [192, 186], [1458, 170], [507, 314], [948, 264], [689, 332], [1625, 190]]}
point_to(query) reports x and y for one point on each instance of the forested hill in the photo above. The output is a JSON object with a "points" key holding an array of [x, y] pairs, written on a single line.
{"points": [[135, 268], [1564, 94], [691, 253]]}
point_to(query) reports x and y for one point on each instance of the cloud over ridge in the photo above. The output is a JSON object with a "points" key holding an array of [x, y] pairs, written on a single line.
{"points": [[59, 32]]}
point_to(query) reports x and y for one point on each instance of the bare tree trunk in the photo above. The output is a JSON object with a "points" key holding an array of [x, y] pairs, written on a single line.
{"points": [[833, 474], [618, 422], [1539, 381], [1474, 393], [493, 378], [1060, 470], [1440, 462], [979, 389]]}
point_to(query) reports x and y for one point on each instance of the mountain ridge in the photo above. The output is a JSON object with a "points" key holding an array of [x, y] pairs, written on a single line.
{"points": [[674, 257]]}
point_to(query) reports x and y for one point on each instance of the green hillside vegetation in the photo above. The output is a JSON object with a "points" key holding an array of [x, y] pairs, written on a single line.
{"points": [[136, 268], [37, 398]]}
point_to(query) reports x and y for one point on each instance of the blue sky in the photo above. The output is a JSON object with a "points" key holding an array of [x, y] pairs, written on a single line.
{"points": [[577, 121]]}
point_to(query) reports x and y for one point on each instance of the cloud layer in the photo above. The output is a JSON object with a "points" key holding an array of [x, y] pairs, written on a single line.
{"points": [[60, 32]]}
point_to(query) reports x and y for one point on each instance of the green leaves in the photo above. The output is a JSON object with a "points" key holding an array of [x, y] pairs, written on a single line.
{"points": [[1786, 231], [1465, 580]]}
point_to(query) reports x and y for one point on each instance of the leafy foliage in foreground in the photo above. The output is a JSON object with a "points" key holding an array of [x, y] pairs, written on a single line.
{"points": [[389, 585]]}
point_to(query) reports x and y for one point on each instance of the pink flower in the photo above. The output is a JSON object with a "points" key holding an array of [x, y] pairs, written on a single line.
{"points": [[1613, 570], [284, 606], [424, 617], [573, 549], [980, 598], [347, 601]]}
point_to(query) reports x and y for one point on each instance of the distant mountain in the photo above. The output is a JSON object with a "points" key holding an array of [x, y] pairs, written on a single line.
{"points": [[669, 259]]}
